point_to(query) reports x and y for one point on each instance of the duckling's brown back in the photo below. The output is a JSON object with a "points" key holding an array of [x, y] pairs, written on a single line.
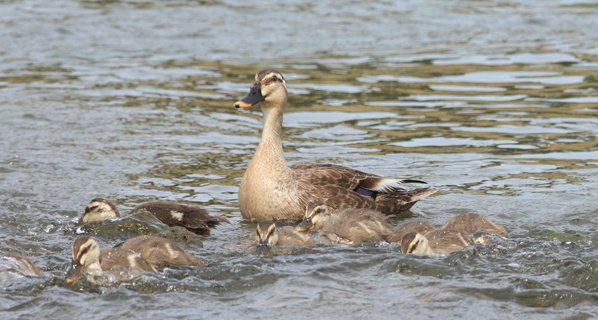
{"points": [[288, 236], [160, 252], [472, 222], [419, 226], [358, 225]]}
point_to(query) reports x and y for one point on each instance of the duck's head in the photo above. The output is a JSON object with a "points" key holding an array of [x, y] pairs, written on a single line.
{"points": [[268, 87], [415, 242], [267, 237], [86, 252], [98, 209], [316, 215]]}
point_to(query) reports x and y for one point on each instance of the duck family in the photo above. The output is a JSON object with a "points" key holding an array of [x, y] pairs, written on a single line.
{"points": [[301, 205]]}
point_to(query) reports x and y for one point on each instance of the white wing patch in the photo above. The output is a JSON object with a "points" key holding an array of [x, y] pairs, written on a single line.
{"points": [[176, 215], [388, 185]]}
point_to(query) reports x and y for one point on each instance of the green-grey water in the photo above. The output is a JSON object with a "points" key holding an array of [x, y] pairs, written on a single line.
{"points": [[494, 103]]}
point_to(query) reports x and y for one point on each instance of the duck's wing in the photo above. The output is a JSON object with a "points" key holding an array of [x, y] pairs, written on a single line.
{"points": [[117, 258], [358, 225], [160, 252], [472, 222], [193, 218], [447, 241], [355, 180], [337, 197], [287, 236], [419, 226]]}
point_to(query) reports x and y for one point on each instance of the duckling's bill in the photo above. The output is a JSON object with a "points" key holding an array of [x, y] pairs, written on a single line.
{"points": [[305, 225], [263, 250], [74, 272], [253, 97]]}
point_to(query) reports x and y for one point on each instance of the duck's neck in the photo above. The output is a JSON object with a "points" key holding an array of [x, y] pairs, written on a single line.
{"points": [[270, 147]]}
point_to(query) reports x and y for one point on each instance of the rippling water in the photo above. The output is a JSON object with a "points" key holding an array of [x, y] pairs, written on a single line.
{"points": [[494, 103]]}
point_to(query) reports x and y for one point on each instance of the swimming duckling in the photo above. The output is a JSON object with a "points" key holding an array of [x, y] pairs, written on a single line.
{"points": [[15, 267], [350, 226], [269, 236], [87, 259], [193, 218], [473, 222], [419, 226], [272, 190], [436, 242], [459, 232], [160, 252]]}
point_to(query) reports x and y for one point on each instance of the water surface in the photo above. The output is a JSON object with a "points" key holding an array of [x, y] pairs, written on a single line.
{"points": [[494, 103]]}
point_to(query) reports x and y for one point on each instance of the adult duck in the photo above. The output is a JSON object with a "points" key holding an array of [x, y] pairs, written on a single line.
{"points": [[271, 189]]}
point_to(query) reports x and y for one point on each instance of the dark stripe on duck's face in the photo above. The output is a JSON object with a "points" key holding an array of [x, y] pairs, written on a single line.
{"points": [[89, 209], [414, 246], [406, 242]]}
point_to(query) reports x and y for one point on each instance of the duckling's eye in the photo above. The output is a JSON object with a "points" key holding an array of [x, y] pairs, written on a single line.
{"points": [[88, 209]]}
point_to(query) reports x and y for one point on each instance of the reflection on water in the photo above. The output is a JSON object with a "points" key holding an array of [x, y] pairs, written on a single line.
{"points": [[494, 104]]}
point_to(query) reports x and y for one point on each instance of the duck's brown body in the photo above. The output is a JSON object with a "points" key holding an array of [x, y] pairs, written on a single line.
{"points": [[271, 190], [419, 226], [13, 267], [160, 252], [88, 259]]}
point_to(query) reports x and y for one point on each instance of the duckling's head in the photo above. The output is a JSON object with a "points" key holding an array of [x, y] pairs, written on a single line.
{"points": [[267, 237], [316, 216], [268, 87], [98, 209], [86, 253], [416, 243]]}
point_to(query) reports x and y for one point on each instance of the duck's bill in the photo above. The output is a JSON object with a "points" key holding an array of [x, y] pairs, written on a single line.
{"points": [[253, 97], [263, 250], [304, 226], [72, 276]]}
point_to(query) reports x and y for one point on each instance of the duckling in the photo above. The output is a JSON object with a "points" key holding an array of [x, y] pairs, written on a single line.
{"points": [[436, 242], [419, 226], [87, 259], [473, 222], [272, 190], [193, 218], [268, 236], [457, 233], [14, 267], [160, 252], [351, 226]]}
